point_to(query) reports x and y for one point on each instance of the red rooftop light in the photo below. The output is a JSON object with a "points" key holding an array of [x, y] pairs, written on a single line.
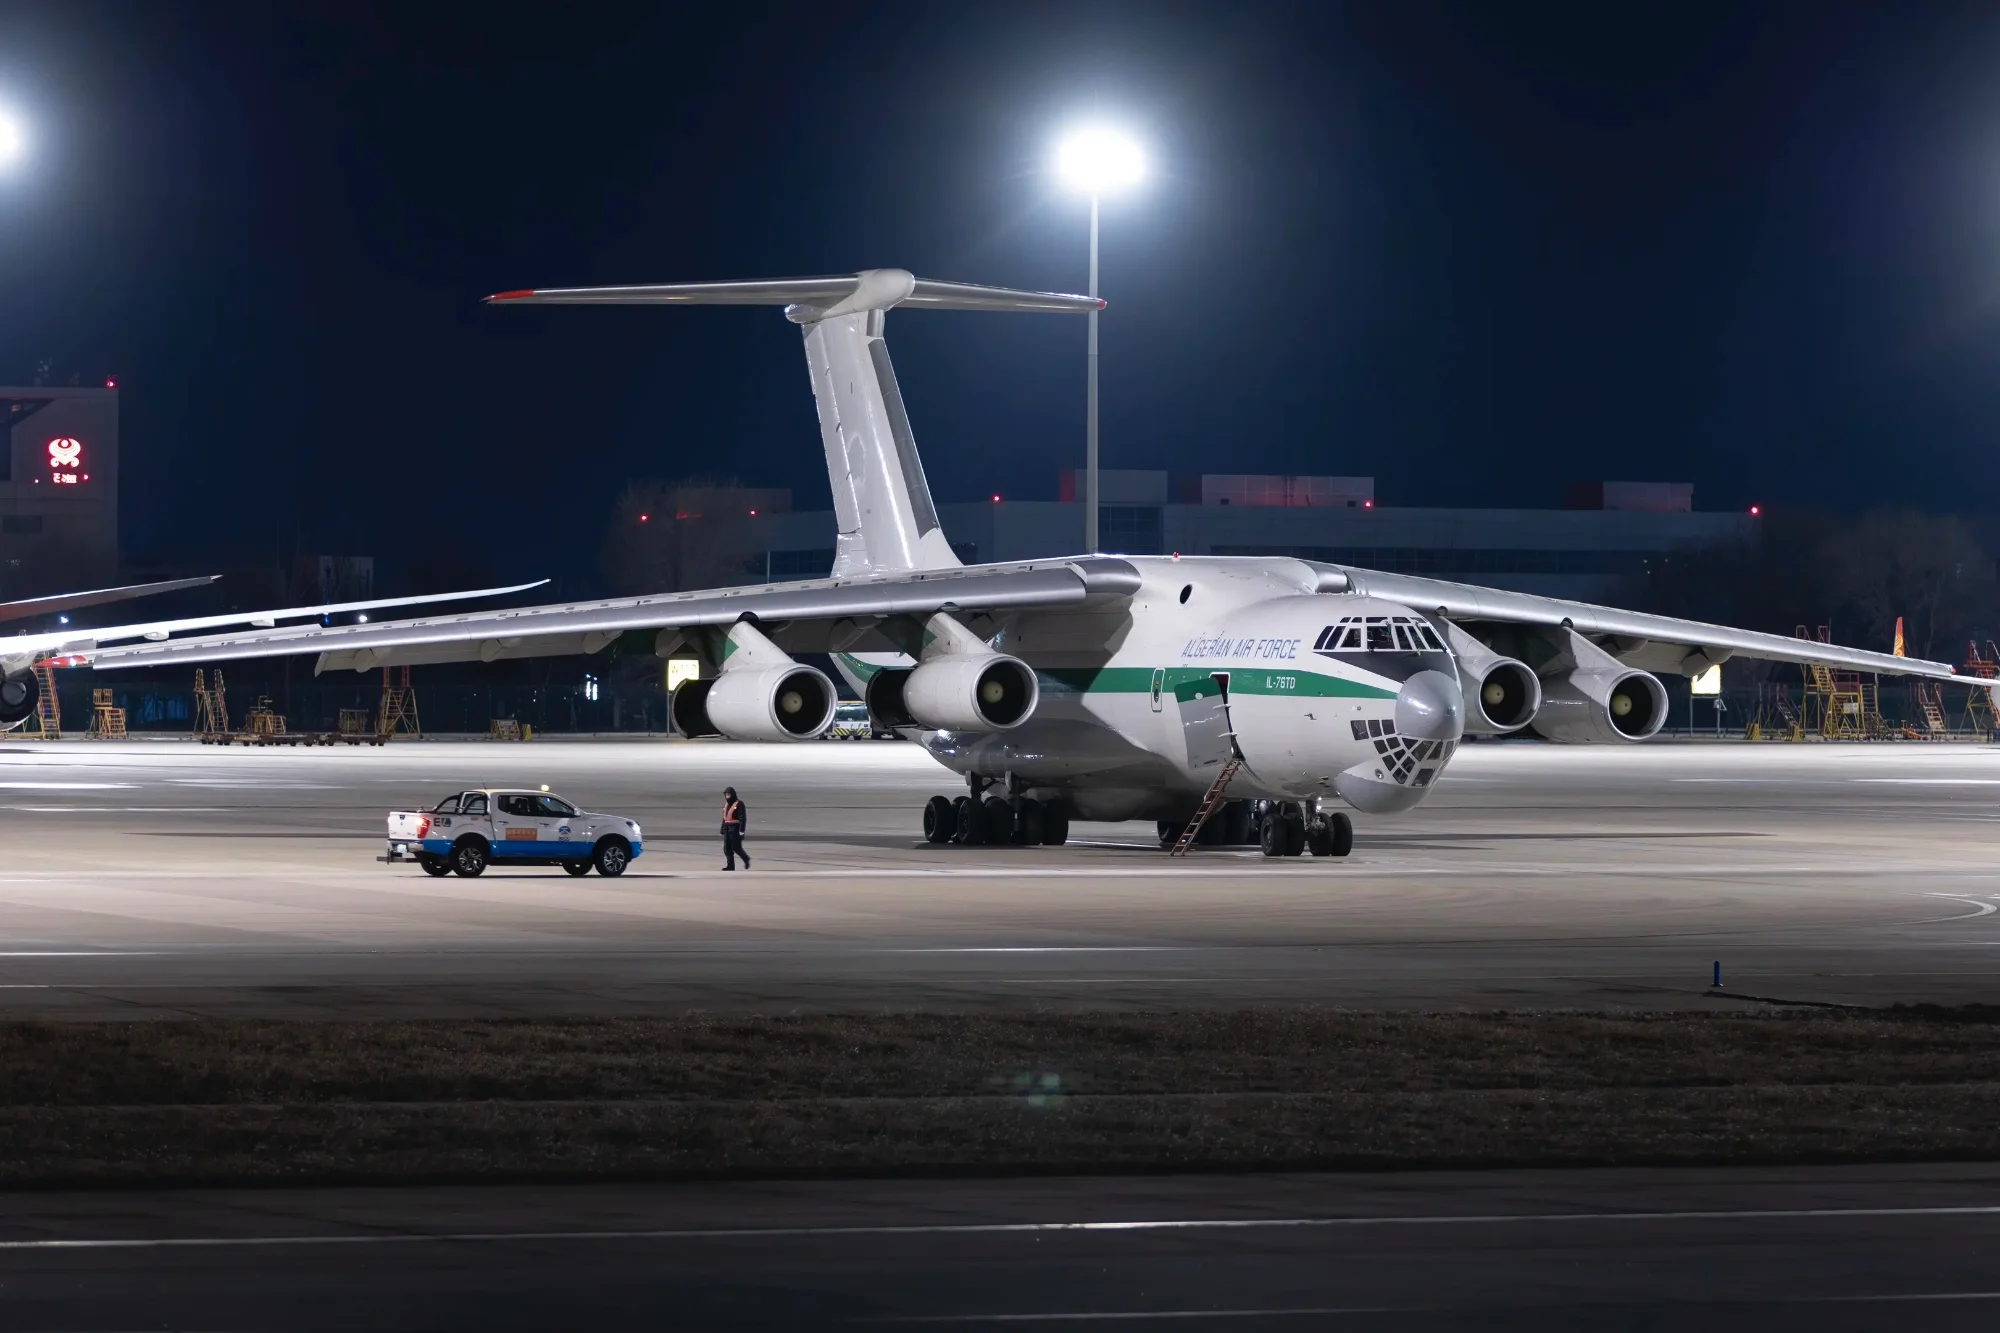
{"points": [[996, 497], [1367, 504]]}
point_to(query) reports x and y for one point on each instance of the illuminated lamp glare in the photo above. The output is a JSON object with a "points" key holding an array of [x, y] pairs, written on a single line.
{"points": [[996, 497], [1756, 510], [1097, 159], [644, 517], [12, 140], [1367, 504]]}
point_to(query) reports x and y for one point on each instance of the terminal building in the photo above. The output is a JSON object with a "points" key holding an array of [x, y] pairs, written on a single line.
{"points": [[1606, 534], [58, 486]]}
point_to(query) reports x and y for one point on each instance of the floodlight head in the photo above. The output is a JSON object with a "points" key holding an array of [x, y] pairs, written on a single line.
{"points": [[1097, 159], [13, 142]]}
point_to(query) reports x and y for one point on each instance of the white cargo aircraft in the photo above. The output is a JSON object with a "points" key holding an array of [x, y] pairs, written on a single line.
{"points": [[73, 646], [1104, 687]]}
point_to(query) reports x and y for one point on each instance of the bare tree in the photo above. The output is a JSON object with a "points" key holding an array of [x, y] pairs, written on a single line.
{"points": [[1929, 569]]}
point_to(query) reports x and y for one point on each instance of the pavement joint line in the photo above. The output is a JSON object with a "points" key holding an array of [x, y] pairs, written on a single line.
{"points": [[1130, 1226]]}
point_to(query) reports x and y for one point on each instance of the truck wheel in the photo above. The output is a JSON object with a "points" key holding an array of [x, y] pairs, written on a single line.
{"points": [[612, 856], [469, 858], [434, 865], [577, 867]]}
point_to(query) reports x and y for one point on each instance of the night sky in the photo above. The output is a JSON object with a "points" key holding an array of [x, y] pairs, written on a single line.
{"points": [[1476, 251]]}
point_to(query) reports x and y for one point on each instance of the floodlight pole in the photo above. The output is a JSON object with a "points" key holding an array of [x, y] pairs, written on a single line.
{"points": [[1090, 464]]}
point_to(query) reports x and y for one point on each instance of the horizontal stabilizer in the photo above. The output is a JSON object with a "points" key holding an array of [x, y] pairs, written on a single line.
{"points": [[874, 289]]}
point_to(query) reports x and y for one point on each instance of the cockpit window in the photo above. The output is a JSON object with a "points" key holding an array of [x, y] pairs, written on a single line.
{"points": [[1381, 639]]}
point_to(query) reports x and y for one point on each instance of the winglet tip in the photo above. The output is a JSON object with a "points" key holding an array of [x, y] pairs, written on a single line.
{"points": [[520, 295]]}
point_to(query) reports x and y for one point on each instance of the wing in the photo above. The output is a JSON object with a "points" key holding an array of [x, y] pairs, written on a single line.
{"points": [[585, 627], [83, 641], [71, 601], [1651, 643]]}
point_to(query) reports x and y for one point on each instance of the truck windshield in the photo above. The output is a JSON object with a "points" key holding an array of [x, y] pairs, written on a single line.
{"points": [[448, 806]]}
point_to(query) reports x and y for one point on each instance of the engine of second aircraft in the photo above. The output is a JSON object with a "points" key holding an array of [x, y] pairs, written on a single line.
{"points": [[18, 696]]}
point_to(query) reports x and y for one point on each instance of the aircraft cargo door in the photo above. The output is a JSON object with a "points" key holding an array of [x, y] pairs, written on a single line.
{"points": [[1204, 707]]}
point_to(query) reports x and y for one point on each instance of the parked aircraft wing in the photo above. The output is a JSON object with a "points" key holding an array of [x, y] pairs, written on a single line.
{"points": [[1635, 630], [71, 601], [18, 649], [586, 626]]}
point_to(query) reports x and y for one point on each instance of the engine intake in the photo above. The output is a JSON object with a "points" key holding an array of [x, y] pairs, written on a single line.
{"points": [[1502, 695], [778, 703], [1595, 707], [974, 692], [18, 695]]}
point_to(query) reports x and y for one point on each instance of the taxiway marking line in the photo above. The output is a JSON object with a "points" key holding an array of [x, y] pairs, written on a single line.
{"points": [[1133, 1226]]}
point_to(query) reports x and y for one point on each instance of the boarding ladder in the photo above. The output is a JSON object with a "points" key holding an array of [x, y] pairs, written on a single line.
{"points": [[1209, 805]]}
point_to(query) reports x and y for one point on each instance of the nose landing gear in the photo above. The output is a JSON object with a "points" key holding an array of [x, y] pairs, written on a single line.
{"points": [[1289, 829]]}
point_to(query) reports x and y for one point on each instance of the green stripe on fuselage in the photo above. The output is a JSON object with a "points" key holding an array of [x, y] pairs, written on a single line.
{"points": [[1186, 682]]}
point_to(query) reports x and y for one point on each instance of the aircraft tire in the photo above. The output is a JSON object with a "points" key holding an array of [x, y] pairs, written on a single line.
{"points": [[968, 826], [1271, 837], [1170, 831], [1029, 822], [999, 821], [940, 819], [1055, 824], [1343, 833], [1294, 826]]}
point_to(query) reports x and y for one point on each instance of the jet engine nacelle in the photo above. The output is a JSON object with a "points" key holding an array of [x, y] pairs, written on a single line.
{"points": [[1502, 695], [18, 695], [1601, 706], [776, 703], [956, 692]]}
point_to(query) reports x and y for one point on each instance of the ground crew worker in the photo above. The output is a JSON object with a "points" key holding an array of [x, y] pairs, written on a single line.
{"points": [[735, 823]]}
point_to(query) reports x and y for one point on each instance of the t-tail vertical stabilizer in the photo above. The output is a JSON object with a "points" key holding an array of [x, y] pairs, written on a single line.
{"points": [[880, 498]]}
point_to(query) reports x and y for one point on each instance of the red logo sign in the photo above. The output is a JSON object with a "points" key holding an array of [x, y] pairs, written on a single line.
{"points": [[66, 461]]}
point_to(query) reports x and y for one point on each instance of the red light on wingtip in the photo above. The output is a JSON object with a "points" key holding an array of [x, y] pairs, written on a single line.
{"points": [[1756, 510], [645, 518], [996, 498], [511, 296], [1367, 504], [110, 381]]}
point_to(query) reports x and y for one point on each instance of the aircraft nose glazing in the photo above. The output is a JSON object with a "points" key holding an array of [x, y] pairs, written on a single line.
{"points": [[1430, 707]]}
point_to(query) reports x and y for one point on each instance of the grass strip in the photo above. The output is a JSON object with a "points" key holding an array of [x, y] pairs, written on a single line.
{"points": [[215, 1102]]}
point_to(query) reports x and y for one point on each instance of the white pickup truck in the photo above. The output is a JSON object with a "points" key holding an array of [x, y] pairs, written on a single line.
{"points": [[470, 830]]}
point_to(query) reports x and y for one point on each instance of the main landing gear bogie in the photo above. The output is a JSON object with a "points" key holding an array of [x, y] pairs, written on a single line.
{"points": [[991, 821]]}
